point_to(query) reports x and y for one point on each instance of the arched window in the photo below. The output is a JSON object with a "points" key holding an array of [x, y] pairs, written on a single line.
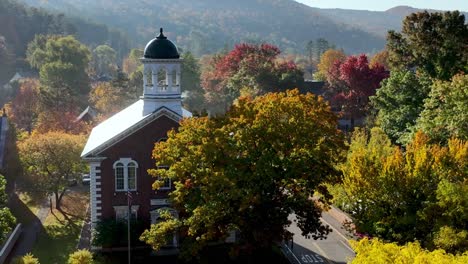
{"points": [[125, 170]]}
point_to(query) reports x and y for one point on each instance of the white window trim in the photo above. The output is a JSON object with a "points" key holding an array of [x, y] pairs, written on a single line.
{"points": [[121, 211], [125, 162]]}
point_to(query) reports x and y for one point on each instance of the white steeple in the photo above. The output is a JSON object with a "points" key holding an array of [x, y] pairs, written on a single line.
{"points": [[161, 76]]}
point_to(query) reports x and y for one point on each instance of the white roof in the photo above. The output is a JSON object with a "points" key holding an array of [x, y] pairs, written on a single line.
{"points": [[115, 127]]}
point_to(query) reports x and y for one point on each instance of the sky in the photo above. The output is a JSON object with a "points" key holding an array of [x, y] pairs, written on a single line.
{"points": [[382, 5]]}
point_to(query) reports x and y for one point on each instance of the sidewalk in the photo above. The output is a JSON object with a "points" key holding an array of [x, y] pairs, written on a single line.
{"points": [[85, 235]]}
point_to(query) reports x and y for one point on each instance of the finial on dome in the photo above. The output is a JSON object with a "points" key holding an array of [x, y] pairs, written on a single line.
{"points": [[161, 35]]}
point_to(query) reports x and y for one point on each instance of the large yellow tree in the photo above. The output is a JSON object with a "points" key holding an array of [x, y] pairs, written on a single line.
{"points": [[248, 171], [51, 160]]}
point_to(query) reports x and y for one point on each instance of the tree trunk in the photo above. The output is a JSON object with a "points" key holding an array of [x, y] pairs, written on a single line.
{"points": [[57, 204], [58, 199]]}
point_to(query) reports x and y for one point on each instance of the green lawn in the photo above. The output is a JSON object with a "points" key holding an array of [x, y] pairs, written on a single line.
{"points": [[56, 243], [31, 203]]}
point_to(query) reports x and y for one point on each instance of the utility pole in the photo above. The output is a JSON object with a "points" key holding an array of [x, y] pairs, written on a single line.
{"points": [[129, 202]]}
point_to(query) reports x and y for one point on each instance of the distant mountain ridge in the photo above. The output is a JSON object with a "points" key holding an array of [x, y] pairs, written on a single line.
{"points": [[206, 26], [377, 22]]}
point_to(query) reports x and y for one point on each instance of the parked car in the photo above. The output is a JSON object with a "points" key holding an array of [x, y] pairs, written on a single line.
{"points": [[85, 179], [72, 182]]}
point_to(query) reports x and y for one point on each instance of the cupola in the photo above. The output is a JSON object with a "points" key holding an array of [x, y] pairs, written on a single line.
{"points": [[161, 73]]}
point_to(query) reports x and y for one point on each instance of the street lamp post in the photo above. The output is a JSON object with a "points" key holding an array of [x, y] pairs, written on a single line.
{"points": [[129, 202]]}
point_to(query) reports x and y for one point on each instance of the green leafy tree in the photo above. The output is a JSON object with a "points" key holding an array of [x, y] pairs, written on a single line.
{"points": [[62, 63], [82, 256], [191, 83], [310, 48], [52, 160], [248, 171], [321, 46], [445, 110], [399, 101], [434, 43], [419, 194], [7, 220], [104, 60], [113, 233], [6, 62]]}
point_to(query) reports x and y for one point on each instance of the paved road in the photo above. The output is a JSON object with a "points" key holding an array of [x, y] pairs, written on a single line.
{"points": [[333, 250]]}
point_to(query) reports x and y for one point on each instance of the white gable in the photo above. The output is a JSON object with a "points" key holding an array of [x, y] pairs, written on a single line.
{"points": [[128, 120]]}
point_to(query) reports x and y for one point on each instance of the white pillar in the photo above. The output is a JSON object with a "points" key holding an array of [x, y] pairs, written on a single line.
{"points": [[145, 82], [95, 187]]}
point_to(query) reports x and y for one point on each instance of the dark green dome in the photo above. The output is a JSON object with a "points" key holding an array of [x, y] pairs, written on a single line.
{"points": [[161, 48]]}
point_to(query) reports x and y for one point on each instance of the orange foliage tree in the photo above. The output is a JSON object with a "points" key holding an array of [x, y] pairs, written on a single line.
{"points": [[23, 110]]}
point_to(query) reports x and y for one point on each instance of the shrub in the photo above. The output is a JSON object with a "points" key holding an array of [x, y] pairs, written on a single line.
{"points": [[26, 259], [376, 252], [81, 257]]}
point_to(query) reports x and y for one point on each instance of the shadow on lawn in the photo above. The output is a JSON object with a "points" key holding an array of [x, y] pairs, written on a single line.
{"points": [[32, 227], [56, 243], [21, 211]]}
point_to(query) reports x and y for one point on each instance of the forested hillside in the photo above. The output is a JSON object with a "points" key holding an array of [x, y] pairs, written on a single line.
{"points": [[211, 25], [20, 23]]}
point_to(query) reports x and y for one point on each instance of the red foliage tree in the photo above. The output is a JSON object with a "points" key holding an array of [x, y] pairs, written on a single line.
{"points": [[248, 69], [351, 82]]}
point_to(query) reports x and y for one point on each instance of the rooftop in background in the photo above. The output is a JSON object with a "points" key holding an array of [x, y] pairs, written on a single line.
{"points": [[89, 114]]}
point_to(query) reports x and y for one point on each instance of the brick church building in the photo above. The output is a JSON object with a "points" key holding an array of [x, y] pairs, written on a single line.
{"points": [[119, 149]]}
